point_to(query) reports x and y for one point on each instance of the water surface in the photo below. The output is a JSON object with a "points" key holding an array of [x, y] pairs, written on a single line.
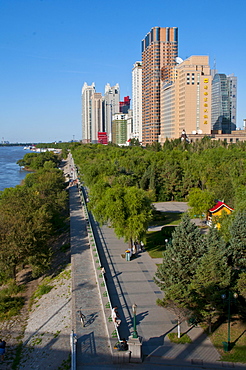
{"points": [[10, 172]]}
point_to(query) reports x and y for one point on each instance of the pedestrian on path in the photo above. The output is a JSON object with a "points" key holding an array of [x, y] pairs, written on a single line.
{"points": [[115, 316], [2, 349], [103, 273]]}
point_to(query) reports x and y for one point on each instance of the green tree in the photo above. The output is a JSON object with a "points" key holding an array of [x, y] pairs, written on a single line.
{"points": [[25, 228], [127, 209], [212, 276], [180, 261], [200, 202], [241, 284], [237, 246]]}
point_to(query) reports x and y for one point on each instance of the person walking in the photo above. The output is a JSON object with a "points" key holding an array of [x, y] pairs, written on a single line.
{"points": [[115, 316], [103, 273], [2, 349]]}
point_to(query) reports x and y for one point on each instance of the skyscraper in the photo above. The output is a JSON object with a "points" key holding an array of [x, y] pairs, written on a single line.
{"points": [[186, 101], [87, 92], [111, 106], [125, 105], [159, 53], [119, 128], [137, 100], [96, 116], [224, 100]]}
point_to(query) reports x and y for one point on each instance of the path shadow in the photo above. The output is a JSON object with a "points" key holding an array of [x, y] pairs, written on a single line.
{"points": [[87, 344], [232, 344], [112, 279], [140, 316], [91, 318]]}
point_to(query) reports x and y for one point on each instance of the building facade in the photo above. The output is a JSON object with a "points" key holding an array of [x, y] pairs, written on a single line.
{"points": [[119, 129], [125, 105], [137, 101], [159, 53], [111, 106], [96, 116], [186, 100], [224, 101], [87, 92]]}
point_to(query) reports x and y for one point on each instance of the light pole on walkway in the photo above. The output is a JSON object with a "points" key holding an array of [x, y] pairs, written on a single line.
{"points": [[227, 345], [134, 309]]}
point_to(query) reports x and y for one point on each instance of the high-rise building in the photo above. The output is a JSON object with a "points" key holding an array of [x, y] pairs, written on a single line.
{"points": [[224, 101], [119, 129], [111, 106], [186, 100], [87, 92], [96, 116], [159, 53], [125, 105], [137, 101]]}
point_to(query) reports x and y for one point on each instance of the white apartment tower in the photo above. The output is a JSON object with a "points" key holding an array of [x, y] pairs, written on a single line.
{"points": [[111, 106], [137, 100], [87, 92]]}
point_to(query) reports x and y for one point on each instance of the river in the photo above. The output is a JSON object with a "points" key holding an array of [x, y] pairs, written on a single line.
{"points": [[10, 172]]}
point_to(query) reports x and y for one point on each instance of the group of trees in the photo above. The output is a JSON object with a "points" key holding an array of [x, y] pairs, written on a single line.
{"points": [[171, 171], [30, 215], [198, 269], [35, 160]]}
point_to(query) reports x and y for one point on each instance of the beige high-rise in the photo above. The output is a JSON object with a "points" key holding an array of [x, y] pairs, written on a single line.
{"points": [[159, 52], [186, 102]]}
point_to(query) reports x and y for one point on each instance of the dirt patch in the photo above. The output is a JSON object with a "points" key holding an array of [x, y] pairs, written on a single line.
{"points": [[12, 330]]}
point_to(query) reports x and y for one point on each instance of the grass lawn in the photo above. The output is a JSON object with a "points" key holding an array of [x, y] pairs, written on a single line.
{"points": [[165, 218], [155, 242], [238, 341]]}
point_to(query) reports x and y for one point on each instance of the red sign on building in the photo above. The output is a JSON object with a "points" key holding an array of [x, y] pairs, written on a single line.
{"points": [[102, 138]]}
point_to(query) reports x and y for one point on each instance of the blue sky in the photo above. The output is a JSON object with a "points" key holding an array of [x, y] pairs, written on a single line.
{"points": [[49, 48]]}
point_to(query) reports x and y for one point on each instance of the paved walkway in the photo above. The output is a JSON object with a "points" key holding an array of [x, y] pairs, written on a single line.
{"points": [[128, 282], [132, 282], [92, 344]]}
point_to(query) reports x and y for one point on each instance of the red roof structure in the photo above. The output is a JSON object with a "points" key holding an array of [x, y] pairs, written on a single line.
{"points": [[218, 206]]}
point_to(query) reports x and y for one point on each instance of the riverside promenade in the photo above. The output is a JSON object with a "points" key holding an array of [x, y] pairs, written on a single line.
{"points": [[128, 282]]}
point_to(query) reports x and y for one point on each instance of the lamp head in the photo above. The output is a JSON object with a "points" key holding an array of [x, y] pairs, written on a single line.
{"points": [[134, 308]]}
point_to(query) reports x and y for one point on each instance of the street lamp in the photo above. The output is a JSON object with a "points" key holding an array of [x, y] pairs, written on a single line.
{"points": [[227, 344], [134, 310]]}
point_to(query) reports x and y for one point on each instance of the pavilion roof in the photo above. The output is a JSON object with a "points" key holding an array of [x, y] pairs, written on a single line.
{"points": [[218, 206]]}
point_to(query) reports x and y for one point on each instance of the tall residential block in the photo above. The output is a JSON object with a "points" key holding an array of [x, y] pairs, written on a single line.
{"points": [[119, 129], [111, 106], [137, 101], [224, 101], [159, 53], [87, 92], [96, 116], [125, 105], [186, 100]]}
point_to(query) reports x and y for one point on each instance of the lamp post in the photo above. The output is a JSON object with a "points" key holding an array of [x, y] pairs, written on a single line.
{"points": [[228, 343], [134, 309]]}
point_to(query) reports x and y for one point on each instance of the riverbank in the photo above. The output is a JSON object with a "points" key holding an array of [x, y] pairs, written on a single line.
{"points": [[37, 333]]}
